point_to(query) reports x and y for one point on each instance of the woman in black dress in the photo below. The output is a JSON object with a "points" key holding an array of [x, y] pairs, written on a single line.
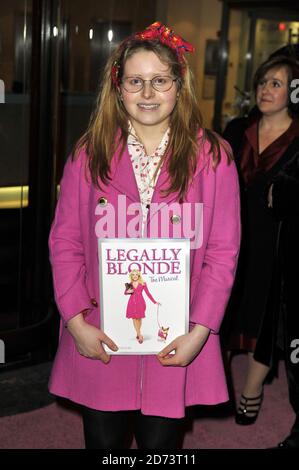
{"points": [[263, 144], [283, 199]]}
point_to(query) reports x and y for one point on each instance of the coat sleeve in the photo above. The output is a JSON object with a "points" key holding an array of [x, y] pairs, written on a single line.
{"points": [[149, 294], [221, 254], [66, 247]]}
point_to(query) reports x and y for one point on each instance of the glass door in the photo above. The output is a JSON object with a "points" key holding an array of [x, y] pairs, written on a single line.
{"points": [[25, 177], [15, 67]]}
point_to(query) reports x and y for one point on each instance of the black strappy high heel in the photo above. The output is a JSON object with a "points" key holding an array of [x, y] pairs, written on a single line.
{"points": [[246, 406]]}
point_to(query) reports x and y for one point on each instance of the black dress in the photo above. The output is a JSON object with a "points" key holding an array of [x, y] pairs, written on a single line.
{"points": [[286, 210], [251, 318]]}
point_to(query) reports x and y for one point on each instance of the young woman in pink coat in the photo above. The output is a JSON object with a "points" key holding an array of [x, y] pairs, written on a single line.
{"points": [[145, 147], [136, 305]]}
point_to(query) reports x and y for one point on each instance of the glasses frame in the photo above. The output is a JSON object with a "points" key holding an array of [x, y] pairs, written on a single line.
{"points": [[151, 81]]}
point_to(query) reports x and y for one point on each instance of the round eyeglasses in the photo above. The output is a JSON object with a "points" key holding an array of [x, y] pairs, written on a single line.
{"points": [[159, 83]]}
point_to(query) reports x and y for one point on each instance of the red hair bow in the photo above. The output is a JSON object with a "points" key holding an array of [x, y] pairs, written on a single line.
{"points": [[164, 34]]}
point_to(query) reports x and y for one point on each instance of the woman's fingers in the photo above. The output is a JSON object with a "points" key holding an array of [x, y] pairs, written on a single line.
{"points": [[106, 340], [97, 353], [167, 350], [89, 343], [186, 347], [103, 355], [165, 357]]}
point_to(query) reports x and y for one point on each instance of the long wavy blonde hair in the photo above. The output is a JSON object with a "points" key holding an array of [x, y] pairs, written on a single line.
{"points": [[135, 271], [102, 139]]}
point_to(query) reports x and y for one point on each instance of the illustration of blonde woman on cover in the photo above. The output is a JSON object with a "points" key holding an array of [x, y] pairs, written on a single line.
{"points": [[136, 305]]}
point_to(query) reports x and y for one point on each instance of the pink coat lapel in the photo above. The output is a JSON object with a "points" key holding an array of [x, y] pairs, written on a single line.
{"points": [[122, 175], [124, 181]]}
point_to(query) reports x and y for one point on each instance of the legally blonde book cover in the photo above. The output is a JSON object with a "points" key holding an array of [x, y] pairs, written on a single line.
{"points": [[144, 292]]}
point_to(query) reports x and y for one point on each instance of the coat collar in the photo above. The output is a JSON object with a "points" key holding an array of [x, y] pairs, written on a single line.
{"points": [[124, 181], [122, 175]]}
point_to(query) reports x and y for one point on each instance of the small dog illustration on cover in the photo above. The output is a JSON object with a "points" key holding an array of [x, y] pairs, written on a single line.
{"points": [[163, 333]]}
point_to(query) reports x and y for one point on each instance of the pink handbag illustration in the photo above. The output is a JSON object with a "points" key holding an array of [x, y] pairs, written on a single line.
{"points": [[162, 331]]}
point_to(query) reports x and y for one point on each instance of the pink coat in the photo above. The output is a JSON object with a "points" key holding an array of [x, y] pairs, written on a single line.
{"points": [[136, 304], [141, 382]]}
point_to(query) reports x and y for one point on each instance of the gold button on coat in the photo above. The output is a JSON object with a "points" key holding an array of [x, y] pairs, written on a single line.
{"points": [[102, 201], [175, 219], [94, 302]]}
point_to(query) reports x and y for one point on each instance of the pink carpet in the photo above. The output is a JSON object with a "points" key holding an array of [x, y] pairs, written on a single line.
{"points": [[57, 427]]}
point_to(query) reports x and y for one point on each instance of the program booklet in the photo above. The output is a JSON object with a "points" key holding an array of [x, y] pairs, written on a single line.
{"points": [[144, 292]]}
